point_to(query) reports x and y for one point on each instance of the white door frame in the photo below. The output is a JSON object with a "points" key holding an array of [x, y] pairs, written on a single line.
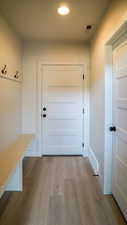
{"points": [[118, 37], [39, 103]]}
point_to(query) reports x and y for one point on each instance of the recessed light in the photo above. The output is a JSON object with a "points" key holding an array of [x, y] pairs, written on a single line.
{"points": [[63, 10]]}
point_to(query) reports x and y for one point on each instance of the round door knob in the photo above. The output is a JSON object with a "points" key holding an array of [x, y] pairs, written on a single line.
{"points": [[44, 115], [44, 109], [112, 129]]}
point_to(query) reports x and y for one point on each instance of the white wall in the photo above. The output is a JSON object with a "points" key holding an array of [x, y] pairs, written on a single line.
{"points": [[10, 92], [47, 52], [114, 17]]}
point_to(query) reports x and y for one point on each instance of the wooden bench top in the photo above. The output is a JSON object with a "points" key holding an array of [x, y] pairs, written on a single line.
{"points": [[10, 157]]}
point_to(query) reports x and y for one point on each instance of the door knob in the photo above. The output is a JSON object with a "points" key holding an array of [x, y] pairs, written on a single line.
{"points": [[44, 115], [44, 109], [112, 129]]}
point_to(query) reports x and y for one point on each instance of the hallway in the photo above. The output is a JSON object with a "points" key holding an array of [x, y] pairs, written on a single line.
{"points": [[59, 191]]}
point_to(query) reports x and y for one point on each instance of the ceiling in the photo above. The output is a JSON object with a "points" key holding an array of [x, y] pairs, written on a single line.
{"points": [[39, 20]]}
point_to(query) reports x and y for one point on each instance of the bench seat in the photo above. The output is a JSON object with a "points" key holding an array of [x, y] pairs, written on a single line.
{"points": [[11, 161]]}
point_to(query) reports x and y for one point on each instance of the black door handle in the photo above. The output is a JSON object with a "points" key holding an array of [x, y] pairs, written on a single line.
{"points": [[44, 109], [44, 115], [112, 129]]}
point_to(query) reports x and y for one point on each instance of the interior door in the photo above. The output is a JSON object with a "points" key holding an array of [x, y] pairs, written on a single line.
{"points": [[62, 110], [119, 186]]}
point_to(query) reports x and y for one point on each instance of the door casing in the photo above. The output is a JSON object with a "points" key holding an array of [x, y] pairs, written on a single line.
{"points": [[39, 104]]}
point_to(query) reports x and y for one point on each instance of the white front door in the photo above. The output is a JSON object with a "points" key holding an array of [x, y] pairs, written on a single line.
{"points": [[62, 110], [119, 183]]}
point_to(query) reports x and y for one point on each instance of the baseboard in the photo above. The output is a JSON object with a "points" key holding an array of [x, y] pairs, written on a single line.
{"points": [[93, 161], [85, 151]]}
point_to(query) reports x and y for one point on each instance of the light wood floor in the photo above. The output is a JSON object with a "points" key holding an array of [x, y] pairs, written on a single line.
{"points": [[59, 191]]}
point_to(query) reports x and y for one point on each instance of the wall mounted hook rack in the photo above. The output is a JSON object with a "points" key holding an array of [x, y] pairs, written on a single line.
{"points": [[4, 75]]}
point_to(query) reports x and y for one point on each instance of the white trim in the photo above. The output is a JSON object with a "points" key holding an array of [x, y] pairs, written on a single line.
{"points": [[93, 160], [120, 32], [39, 102], [108, 122], [87, 113]]}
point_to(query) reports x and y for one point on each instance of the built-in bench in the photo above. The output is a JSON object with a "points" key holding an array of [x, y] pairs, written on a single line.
{"points": [[11, 164]]}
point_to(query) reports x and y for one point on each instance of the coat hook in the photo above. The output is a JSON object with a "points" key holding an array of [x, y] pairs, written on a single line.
{"points": [[16, 74], [4, 71]]}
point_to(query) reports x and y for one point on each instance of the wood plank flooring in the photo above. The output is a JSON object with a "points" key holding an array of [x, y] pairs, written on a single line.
{"points": [[59, 191]]}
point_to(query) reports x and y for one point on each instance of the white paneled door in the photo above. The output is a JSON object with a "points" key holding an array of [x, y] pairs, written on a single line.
{"points": [[119, 183], [62, 110]]}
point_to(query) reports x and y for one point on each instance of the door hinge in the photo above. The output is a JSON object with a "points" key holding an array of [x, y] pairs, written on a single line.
{"points": [[83, 145], [83, 76], [83, 111]]}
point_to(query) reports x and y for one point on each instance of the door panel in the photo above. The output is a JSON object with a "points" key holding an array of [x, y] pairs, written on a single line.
{"points": [[62, 95], [119, 186]]}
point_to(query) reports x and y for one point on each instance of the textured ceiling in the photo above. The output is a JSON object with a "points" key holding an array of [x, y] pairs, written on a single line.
{"points": [[38, 19]]}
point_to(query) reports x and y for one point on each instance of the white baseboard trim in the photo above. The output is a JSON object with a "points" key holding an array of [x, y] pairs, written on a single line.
{"points": [[93, 161]]}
